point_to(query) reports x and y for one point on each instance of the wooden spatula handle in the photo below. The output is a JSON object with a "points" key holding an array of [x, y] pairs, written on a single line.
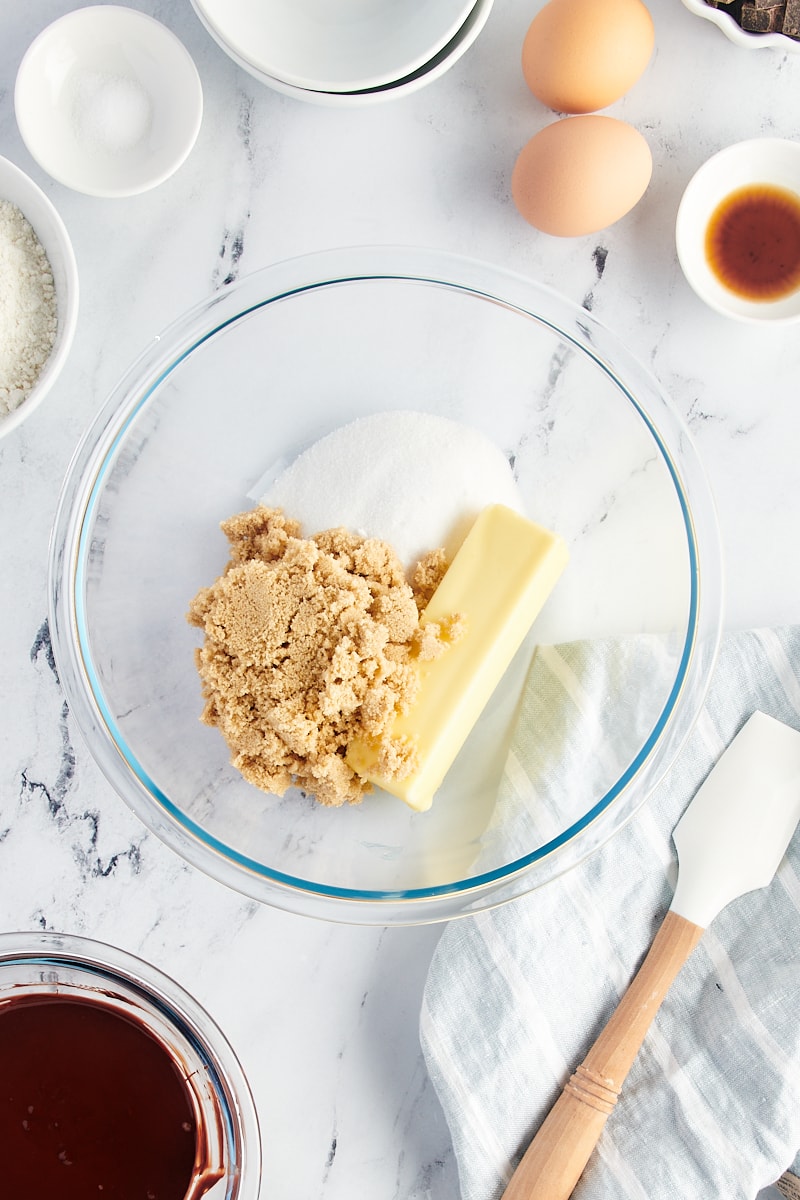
{"points": [[554, 1161]]}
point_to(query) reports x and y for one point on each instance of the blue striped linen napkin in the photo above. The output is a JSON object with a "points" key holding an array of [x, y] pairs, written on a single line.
{"points": [[516, 995]]}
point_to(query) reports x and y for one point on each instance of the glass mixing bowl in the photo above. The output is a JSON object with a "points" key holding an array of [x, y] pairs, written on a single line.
{"points": [[36, 967], [250, 378]]}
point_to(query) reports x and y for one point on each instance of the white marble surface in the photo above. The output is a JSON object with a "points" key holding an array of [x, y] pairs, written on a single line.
{"points": [[324, 1017]]}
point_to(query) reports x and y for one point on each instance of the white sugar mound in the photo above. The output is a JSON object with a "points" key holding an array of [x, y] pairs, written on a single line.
{"points": [[414, 480]]}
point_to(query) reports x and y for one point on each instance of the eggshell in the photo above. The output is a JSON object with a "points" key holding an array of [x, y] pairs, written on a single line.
{"points": [[581, 174], [582, 55]]}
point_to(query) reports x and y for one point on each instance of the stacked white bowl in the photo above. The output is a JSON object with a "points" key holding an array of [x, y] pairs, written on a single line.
{"points": [[344, 52]]}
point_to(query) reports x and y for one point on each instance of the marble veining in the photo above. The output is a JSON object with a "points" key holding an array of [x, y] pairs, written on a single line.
{"points": [[599, 256], [324, 1017]]}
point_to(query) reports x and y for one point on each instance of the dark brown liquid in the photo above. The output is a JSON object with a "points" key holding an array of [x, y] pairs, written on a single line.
{"points": [[91, 1105], [753, 242]]}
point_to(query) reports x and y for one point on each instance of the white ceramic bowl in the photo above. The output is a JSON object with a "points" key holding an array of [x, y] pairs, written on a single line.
{"points": [[21, 191], [341, 47], [108, 101], [733, 30], [434, 69], [760, 160]]}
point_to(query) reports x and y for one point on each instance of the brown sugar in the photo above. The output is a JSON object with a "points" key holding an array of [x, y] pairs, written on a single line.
{"points": [[309, 643]]}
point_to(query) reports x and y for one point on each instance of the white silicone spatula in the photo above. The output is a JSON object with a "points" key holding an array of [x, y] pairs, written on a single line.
{"points": [[730, 840]]}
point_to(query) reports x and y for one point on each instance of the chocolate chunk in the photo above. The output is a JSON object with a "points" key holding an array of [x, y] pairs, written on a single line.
{"points": [[763, 16], [761, 20], [791, 19]]}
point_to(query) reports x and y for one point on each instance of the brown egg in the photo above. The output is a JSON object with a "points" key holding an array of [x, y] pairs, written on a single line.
{"points": [[581, 174], [582, 55]]}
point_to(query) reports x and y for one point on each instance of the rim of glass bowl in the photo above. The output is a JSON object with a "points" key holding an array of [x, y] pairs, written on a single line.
{"points": [[84, 478], [145, 983]]}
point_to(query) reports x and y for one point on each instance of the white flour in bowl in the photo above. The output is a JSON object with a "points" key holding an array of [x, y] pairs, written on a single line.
{"points": [[28, 309]]}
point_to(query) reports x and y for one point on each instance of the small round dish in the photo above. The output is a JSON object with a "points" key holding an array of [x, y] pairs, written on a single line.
{"points": [[345, 47], [258, 373], [434, 69], [741, 37], [108, 101], [771, 161], [20, 190], [37, 967]]}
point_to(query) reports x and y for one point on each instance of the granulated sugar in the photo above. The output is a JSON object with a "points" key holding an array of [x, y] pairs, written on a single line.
{"points": [[28, 310], [415, 480]]}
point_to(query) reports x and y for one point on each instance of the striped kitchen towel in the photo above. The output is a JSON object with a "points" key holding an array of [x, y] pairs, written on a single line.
{"points": [[515, 996]]}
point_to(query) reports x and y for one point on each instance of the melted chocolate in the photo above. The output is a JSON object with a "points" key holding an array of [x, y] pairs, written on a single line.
{"points": [[91, 1105]]}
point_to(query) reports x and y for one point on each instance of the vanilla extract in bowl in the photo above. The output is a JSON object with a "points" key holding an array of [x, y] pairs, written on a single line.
{"points": [[752, 242]]}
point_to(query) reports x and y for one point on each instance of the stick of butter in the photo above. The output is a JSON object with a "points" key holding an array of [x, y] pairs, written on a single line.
{"points": [[499, 580]]}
